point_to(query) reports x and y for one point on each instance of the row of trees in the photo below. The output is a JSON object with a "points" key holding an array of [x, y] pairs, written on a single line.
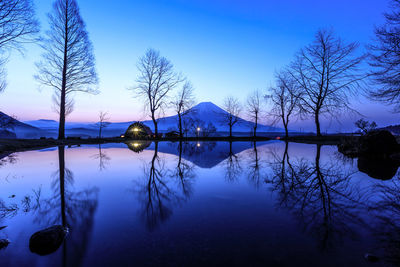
{"points": [[325, 74], [319, 81]]}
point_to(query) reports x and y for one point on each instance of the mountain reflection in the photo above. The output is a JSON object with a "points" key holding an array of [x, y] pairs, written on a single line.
{"points": [[320, 195]]}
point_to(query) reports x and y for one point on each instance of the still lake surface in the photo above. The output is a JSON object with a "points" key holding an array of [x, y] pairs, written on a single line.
{"points": [[207, 204]]}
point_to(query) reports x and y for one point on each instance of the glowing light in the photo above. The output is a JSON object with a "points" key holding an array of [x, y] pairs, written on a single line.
{"points": [[198, 129], [198, 145], [136, 144], [122, 136], [135, 129]]}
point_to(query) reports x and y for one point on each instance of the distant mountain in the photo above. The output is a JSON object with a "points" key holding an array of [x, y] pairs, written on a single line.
{"points": [[206, 112], [21, 130]]}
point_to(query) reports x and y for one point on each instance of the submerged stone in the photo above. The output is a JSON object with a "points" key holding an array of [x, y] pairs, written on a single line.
{"points": [[47, 241], [4, 243]]}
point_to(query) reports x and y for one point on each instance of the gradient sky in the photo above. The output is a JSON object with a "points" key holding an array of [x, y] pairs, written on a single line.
{"points": [[225, 47]]}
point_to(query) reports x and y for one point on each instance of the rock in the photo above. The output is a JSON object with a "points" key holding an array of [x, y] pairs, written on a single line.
{"points": [[4, 243], [378, 168], [371, 257], [48, 240], [378, 143]]}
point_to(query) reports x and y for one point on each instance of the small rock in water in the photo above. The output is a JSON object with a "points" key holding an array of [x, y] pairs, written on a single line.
{"points": [[2, 227], [12, 196], [371, 257], [48, 240], [4, 243]]}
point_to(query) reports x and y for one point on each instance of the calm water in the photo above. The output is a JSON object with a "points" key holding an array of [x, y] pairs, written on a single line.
{"points": [[208, 204]]}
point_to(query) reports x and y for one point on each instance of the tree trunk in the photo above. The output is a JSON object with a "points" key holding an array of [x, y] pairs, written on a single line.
{"points": [[180, 125], [255, 126], [100, 132], [61, 128], [286, 131], [317, 124], [230, 131], [155, 125]]}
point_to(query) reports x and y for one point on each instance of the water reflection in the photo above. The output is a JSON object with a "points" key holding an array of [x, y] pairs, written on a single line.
{"points": [[320, 194], [288, 204], [103, 158], [74, 210]]}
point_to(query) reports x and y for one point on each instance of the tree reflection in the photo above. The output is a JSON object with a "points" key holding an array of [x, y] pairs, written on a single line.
{"points": [[103, 158], [184, 172], [74, 210], [320, 195], [254, 166], [387, 213], [157, 193], [232, 165]]}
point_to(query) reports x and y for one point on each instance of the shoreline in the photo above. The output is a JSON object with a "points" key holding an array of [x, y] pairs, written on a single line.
{"points": [[21, 145]]}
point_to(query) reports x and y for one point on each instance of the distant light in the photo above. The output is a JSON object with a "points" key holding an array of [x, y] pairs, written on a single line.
{"points": [[135, 129], [122, 136], [278, 138], [136, 144], [198, 145], [198, 129]]}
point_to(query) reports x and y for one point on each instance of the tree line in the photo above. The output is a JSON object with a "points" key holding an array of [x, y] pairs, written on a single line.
{"points": [[320, 81]]}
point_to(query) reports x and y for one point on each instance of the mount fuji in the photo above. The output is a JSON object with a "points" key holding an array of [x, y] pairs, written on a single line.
{"points": [[206, 112]]}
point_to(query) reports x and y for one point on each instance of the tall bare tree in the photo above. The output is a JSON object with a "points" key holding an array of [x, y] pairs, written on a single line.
{"points": [[68, 63], [183, 103], [254, 109], [284, 97], [231, 116], [385, 59], [327, 71], [18, 25], [156, 80], [103, 121]]}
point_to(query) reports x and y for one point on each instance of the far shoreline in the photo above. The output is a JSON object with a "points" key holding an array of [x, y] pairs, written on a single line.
{"points": [[21, 145]]}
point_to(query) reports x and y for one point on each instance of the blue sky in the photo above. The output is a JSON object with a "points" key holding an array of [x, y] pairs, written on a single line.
{"points": [[224, 47]]}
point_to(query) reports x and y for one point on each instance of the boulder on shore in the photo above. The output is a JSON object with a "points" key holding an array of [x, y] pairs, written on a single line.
{"points": [[48, 240], [374, 144], [383, 169], [378, 142]]}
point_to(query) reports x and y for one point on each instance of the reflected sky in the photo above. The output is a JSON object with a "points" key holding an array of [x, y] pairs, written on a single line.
{"points": [[246, 204]]}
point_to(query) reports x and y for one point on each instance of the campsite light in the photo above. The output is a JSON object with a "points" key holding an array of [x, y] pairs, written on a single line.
{"points": [[135, 129], [198, 145], [136, 144]]}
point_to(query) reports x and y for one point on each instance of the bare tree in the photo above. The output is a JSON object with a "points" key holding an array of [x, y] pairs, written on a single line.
{"points": [[327, 72], [183, 103], [254, 109], [103, 121], [18, 25], [385, 59], [284, 98], [231, 116], [68, 63], [156, 80]]}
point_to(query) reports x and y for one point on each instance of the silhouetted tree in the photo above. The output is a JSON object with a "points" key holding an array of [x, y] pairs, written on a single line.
{"points": [[68, 63], [254, 109], [183, 103], [284, 98], [385, 58], [231, 116], [103, 121], [365, 126], [156, 80], [326, 72], [18, 25], [232, 165]]}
